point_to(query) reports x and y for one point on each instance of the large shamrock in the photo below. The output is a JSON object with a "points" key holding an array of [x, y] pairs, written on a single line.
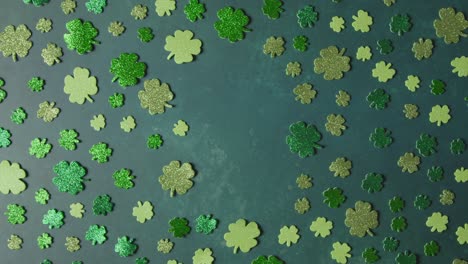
{"points": [[361, 219], [242, 235], [231, 24], [176, 177], [155, 96], [451, 25], [303, 139], [69, 177], [81, 36], [332, 63], [378, 99], [127, 69], [80, 86], [15, 42], [182, 46], [10, 177]]}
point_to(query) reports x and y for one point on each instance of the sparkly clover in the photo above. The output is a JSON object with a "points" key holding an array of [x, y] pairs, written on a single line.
{"points": [[165, 246], [18, 116], [39, 148], [47, 111], [231, 24], [302, 205], [205, 224], [127, 69], [53, 218], [123, 178], [81, 36], [69, 177], [102, 205], [300, 43], [306, 17], [457, 146], [42, 196], [154, 141], [15, 242], [303, 139], [44, 241], [15, 42], [68, 6], [116, 28], [44, 25], [4, 138], [36, 2], [194, 10], [116, 100], [96, 234], [100, 152], [68, 139], [400, 24], [15, 214], [125, 247], [96, 6], [52, 54], [145, 34], [72, 244]]}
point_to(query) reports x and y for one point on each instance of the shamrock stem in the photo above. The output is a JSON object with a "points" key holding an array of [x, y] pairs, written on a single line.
{"points": [[172, 193], [369, 232], [89, 99], [170, 56], [315, 145], [168, 105], [235, 249]]}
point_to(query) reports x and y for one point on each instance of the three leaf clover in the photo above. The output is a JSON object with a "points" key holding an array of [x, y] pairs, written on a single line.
{"points": [[145, 34], [459, 66], [231, 24], [300, 43], [96, 234], [422, 49], [303, 139], [361, 219], [69, 177], [321, 226], [437, 87], [306, 17], [36, 2], [182, 47], [304, 93], [274, 46], [203, 256], [155, 97], [98, 122], [179, 227], [100, 152], [362, 21], [381, 137], [176, 177], [332, 63], [80, 86], [39, 148], [154, 141], [335, 124], [143, 211], [205, 224], [68, 139], [378, 99], [42, 196], [194, 10], [406, 257], [15, 42], [81, 36], [431, 248], [333, 197], [164, 7], [116, 100], [96, 6], [102, 205], [426, 144], [451, 25], [385, 46], [53, 218], [44, 241], [128, 124], [127, 69], [125, 247], [400, 24], [383, 71], [36, 84], [123, 178], [242, 235], [373, 182], [10, 177], [272, 8], [18, 116]]}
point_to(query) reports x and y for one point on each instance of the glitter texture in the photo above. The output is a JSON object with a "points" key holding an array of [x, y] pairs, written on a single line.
{"points": [[176, 177], [81, 37], [15, 42], [155, 96]]}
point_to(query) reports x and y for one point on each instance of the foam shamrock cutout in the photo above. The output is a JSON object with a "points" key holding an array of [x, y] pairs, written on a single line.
{"points": [[205, 224], [39, 148], [100, 152], [155, 97], [123, 178], [406, 257], [44, 241], [293, 69], [3, 94], [41, 196], [340, 252], [364, 53], [68, 6], [15, 42], [361, 219], [4, 138], [333, 197], [242, 235], [272, 8], [145, 34], [116, 100], [165, 246], [422, 202], [302, 205], [125, 247], [36, 2], [390, 244], [143, 211], [385, 46], [182, 47], [383, 71], [47, 111], [10, 177], [81, 36], [462, 234], [460, 66], [194, 10], [36, 84], [128, 124], [176, 177], [139, 12], [180, 128], [426, 144], [18, 116], [267, 260], [437, 222], [116, 28], [300, 43], [337, 24], [381, 137], [342, 98], [231, 24], [304, 182], [412, 83], [370, 255], [72, 244], [53, 218], [439, 114], [76, 210], [69, 177], [373, 182], [14, 242], [341, 167], [179, 227], [457, 146], [274, 46], [437, 87], [96, 234], [335, 124], [398, 224], [396, 204], [450, 25], [332, 63], [321, 226], [400, 24], [203, 256], [80, 86], [303, 139], [96, 6], [44, 25], [127, 69], [288, 235], [411, 111], [378, 99], [408, 162], [304, 93], [306, 17], [422, 49], [164, 7], [145, 260], [362, 21], [98, 122], [154, 141], [68, 139], [435, 173], [446, 197], [15, 214], [431, 248], [102, 205]]}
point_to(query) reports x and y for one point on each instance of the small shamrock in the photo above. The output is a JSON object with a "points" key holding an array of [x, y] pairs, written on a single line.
{"points": [[68, 6], [42, 196], [154, 141], [337, 24], [321, 226], [450, 25], [288, 235], [4, 138], [300, 43], [72, 244], [411, 111], [396, 204], [100, 152], [44, 241], [422, 202], [457, 146], [272, 8], [335, 124], [194, 10], [390, 244], [128, 124], [303, 139], [18, 116], [98, 122], [116, 100], [361, 219], [47, 111], [342, 98], [53, 218], [460, 66], [332, 63], [125, 247], [462, 234], [437, 222], [306, 17], [116, 28], [102, 205], [143, 211], [203, 256], [364, 53], [80, 86], [409, 162], [340, 252], [205, 224], [373, 182], [36, 2], [15, 42], [96, 6], [400, 24], [378, 99], [437, 87], [179, 227], [398, 224], [381, 137], [385, 46], [81, 36], [302, 205], [96, 234], [412, 83], [383, 71], [15, 242], [127, 69], [3, 94], [36, 84], [370, 255], [145, 34], [242, 235], [10, 177], [76, 210], [267, 260], [293, 69], [155, 96], [165, 246], [333, 197], [439, 114], [164, 7], [431, 248], [139, 12], [406, 257], [304, 182], [446, 197], [39, 148], [304, 93], [123, 178], [231, 24], [340, 167], [274, 46], [362, 21], [422, 49], [15, 214], [44, 25], [461, 175], [68, 139], [145, 260], [426, 144], [180, 128]]}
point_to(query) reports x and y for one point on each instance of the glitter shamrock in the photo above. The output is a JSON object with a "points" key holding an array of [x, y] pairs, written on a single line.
{"points": [[98, 122], [10, 177], [408, 162], [15, 242], [385, 46], [145, 34], [342, 98], [431, 248], [406, 257], [300, 43], [4, 138], [44, 241], [53, 218], [15, 42], [340, 252], [127, 69], [378, 99], [304, 182], [81, 36], [69, 177], [176, 177], [437, 222], [116, 100], [293, 69], [457, 146], [155, 96], [143, 260], [303, 139], [426, 144], [381, 137], [36, 84], [412, 83], [3, 94], [274, 46], [437, 87], [68, 139], [411, 111], [370, 255], [123, 178], [267, 260], [100, 152], [435, 173], [96, 6], [125, 247], [396, 204], [72, 244], [389, 2], [422, 49], [422, 202], [272, 8], [364, 53], [460, 66], [306, 17], [51, 54], [47, 111], [36, 2], [139, 12], [361, 219], [154, 141], [304, 93], [332, 63], [335, 124], [205, 224], [102, 205], [446, 197], [203, 256], [39, 148], [165, 246], [362, 21], [451, 25], [321, 226], [180, 128], [116, 28], [383, 71], [164, 7], [231, 24], [242, 235], [80, 86], [288, 235], [373, 182], [400, 24], [76, 210], [341, 167], [390, 244], [182, 46], [42, 196], [194, 10], [96, 234], [302, 205], [439, 114], [44, 25], [143, 211], [337, 24], [333, 197], [128, 124], [15, 214], [68, 6]]}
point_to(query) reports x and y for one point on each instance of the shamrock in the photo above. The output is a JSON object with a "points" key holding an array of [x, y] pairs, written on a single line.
{"points": [[302, 205], [116, 100], [36, 84], [102, 205], [81, 36], [411, 111], [457, 146], [3, 94], [44, 25], [39, 148], [68, 6], [15, 42], [164, 7], [451, 25], [203, 256], [127, 69], [383, 71], [68, 139], [72, 244], [304, 182], [100, 152], [14, 242], [361, 219], [274, 46], [47, 111], [422, 49], [4, 138], [53, 218], [18, 116], [194, 10], [96, 6], [80, 86], [125, 247], [412, 83], [460, 66], [385, 46], [179, 227], [98, 122], [333, 197], [370, 255], [437, 222], [337, 24], [426, 144], [373, 182], [123, 178], [342, 98], [272, 8], [176, 177], [461, 175], [408, 162], [267, 260], [76, 210], [242, 235], [116, 28], [96, 234], [288, 235], [42, 196], [362, 21], [303, 139], [378, 99], [332, 63], [446, 197], [304, 93], [439, 114], [421, 202], [306, 17], [69, 177], [431, 248], [341, 167], [44, 241], [293, 69], [36, 2], [205, 224], [128, 124], [340, 252], [400, 24], [165, 246], [143, 211], [15, 214], [182, 47], [300, 43], [462, 234], [155, 96], [381, 137], [364, 53], [335, 124], [398, 224], [231, 24], [145, 34], [154, 141], [139, 12], [406, 258], [10, 177], [396, 204], [180, 128], [145, 260], [437, 87], [390, 244], [321, 226]]}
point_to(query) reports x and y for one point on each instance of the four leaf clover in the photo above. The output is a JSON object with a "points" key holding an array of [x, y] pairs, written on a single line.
{"points": [[242, 235], [127, 69], [451, 25], [373, 182], [272, 8], [80, 86], [10, 177], [381, 137], [155, 97], [400, 24], [69, 177], [303, 139], [288, 235], [378, 99], [176, 177], [361, 219], [39, 148], [81, 36], [231, 24], [306, 17], [332, 63], [179, 227], [182, 47], [15, 42]]}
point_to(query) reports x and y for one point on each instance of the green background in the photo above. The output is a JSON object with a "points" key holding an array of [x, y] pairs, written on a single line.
{"points": [[238, 103]]}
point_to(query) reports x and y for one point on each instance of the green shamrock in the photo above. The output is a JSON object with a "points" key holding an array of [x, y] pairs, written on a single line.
{"points": [[100, 152], [3, 94], [123, 178], [127, 69], [272, 8], [194, 10], [42, 196], [390, 244], [303, 139], [69, 177], [96, 234], [373, 182], [396, 204], [422, 202], [145, 260], [102, 205], [426, 144], [81, 37], [457, 146], [96, 6], [179, 227], [145, 34], [398, 224], [36, 2], [306, 17], [267, 260], [431, 248], [36, 84], [435, 173], [44, 241], [15, 214], [53, 218], [4, 138], [333, 197], [378, 99], [381, 137], [39, 148], [116, 100], [300, 43], [125, 247], [231, 24], [400, 24], [18, 116], [406, 258], [154, 141], [437, 87], [68, 139], [370, 255], [384, 46], [205, 224]]}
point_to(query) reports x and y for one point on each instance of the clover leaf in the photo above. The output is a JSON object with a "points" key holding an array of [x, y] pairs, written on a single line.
{"points": [[81, 36], [96, 234], [381, 137], [378, 99], [102, 205], [100, 152], [426, 144], [373, 182], [68, 139], [179, 227], [303, 139], [231, 24], [272, 8], [400, 24], [306, 17], [194, 10], [125, 247], [69, 177], [127, 69], [333, 197], [53, 218]]}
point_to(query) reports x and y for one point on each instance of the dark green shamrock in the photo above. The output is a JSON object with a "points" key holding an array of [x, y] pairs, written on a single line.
{"points": [[457, 146], [125, 247], [435, 173], [69, 177], [398, 224], [272, 8], [4, 138], [437, 87], [81, 36], [381, 137], [179, 227], [431, 248], [333, 197], [267, 260], [378, 99], [36, 2], [390, 244], [127, 69], [231, 24], [306, 17], [426, 144], [422, 202], [102, 205], [396, 204], [194, 10], [145, 34], [400, 24], [385, 46], [303, 139], [406, 258], [370, 255], [373, 182], [18, 116], [300, 43]]}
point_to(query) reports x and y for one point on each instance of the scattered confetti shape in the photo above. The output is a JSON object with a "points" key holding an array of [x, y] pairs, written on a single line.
{"points": [[422, 49], [77, 210], [381, 137], [116, 28], [44, 241], [302, 205], [128, 124], [53, 218], [68, 139], [242, 235], [69, 177], [231, 24], [335, 124], [164, 7], [72, 244], [123, 179], [81, 36], [321, 226], [332, 63], [11, 175], [437, 222], [451, 25], [15, 214], [274, 46], [80, 86], [370, 255], [182, 46], [154, 141], [303, 139], [439, 114], [102, 205], [205, 224], [288, 235], [457, 146], [15, 42], [437, 87], [462, 234], [378, 99], [203, 256], [4, 138], [125, 247], [398, 224], [194, 11], [51, 54], [293, 69], [307, 17], [96, 6], [272, 8], [340, 252], [300, 43], [408, 162], [42, 196], [412, 83], [100, 152], [180, 128], [400, 24], [127, 69], [96, 234], [389, 2], [47, 111], [337, 24], [145, 34], [460, 66], [155, 97], [372, 182], [396, 204], [44, 25], [39, 148], [361, 219], [98, 122], [362, 21], [426, 145], [304, 182], [383, 71], [139, 12], [14, 242], [165, 246], [18, 116], [304, 93], [3, 94], [390, 244], [422, 202], [342, 98], [68, 6], [179, 227], [267, 260], [334, 197], [143, 211]]}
